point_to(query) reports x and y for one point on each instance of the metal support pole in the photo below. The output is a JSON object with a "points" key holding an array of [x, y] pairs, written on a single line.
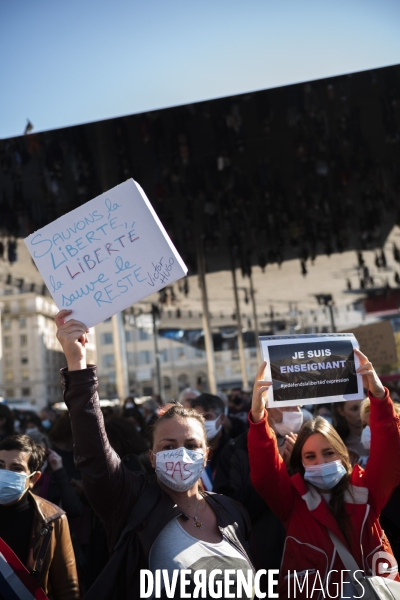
{"points": [[209, 344], [121, 363], [245, 382], [333, 326], [155, 314], [256, 330]]}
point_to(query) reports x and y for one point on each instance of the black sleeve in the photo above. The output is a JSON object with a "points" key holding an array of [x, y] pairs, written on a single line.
{"points": [[232, 478]]}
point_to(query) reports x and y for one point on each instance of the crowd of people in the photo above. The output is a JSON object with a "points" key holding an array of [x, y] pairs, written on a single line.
{"points": [[93, 496]]}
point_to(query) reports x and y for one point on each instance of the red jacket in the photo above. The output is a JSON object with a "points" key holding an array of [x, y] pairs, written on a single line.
{"points": [[306, 516]]}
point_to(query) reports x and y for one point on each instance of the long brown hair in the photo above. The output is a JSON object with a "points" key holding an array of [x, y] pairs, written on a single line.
{"points": [[337, 501]]}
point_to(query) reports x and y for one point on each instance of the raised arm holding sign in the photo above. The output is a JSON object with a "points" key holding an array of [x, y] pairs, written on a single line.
{"points": [[311, 368], [326, 494]]}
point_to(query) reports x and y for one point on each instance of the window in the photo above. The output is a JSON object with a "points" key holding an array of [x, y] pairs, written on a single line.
{"points": [[8, 361], [7, 324], [130, 357], [26, 391], [129, 336], [22, 306], [23, 339], [183, 382], [108, 361], [6, 307], [178, 353], [22, 322], [7, 341], [143, 335], [145, 357], [107, 338], [9, 393], [164, 355], [25, 374], [9, 375]]}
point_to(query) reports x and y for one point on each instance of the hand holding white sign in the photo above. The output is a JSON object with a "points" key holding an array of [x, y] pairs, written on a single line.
{"points": [[371, 380], [311, 369], [72, 337], [259, 401]]}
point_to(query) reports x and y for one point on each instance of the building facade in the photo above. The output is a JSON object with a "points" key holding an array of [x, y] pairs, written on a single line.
{"points": [[31, 356]]}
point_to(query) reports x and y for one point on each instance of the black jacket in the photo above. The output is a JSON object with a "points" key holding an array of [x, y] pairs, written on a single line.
{"points": [[113, 490], [232, 478]]}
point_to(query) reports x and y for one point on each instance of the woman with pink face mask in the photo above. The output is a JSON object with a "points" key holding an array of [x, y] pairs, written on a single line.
{"points": [[167, 525], [325, 495]]}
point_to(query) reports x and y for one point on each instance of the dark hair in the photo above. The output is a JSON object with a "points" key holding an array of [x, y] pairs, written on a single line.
{"points": [[123, 437], [39, 438], [170, 411], [340, 422], [136, 414], [24, 443], [337, 501], [5, 413], [61, 430], [209, 402]]}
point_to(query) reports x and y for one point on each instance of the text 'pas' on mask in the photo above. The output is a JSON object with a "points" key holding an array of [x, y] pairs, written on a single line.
{"points": [[179, 469]]}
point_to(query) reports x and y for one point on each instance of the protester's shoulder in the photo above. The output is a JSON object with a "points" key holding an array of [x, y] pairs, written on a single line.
{"points": [[237, 443], [45, 510]]}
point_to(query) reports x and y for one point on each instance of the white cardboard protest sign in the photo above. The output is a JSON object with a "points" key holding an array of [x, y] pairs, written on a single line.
{"points": [[106, 255], [311, 369]]}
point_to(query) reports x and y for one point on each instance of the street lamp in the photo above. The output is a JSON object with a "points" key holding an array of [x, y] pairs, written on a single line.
{"points": [[327, 300]]}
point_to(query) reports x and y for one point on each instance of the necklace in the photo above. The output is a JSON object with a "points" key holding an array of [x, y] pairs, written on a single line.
{"points": [[197, 523]]}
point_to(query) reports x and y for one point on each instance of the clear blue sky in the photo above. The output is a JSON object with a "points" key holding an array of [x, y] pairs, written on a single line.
{"points": [[65, 62]]}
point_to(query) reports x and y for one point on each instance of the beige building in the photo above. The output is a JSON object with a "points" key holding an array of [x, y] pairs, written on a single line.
{"points": [[31, 355], [181, 365]]}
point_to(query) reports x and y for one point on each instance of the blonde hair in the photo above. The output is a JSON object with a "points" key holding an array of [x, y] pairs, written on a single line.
{"points": [[365, 409]]}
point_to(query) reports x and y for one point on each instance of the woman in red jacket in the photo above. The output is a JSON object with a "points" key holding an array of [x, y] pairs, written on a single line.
{"points": [[326, 493]]}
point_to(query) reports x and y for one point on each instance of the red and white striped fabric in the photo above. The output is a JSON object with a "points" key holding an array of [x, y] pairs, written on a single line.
{"points": [[15, 581]]}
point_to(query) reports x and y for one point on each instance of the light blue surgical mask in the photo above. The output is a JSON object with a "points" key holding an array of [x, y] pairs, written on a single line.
{"points": [[12, 485], [366, 437], [325, 476], [46, 423]]}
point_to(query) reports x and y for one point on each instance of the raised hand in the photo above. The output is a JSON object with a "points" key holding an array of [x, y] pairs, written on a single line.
{"points": [[260, 388], [72, 336], [54, 460], [371, 380]]}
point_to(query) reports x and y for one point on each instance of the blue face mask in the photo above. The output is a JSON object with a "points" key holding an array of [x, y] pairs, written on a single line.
{"points": [[12, 485], [325, 476], [46, 423]]}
